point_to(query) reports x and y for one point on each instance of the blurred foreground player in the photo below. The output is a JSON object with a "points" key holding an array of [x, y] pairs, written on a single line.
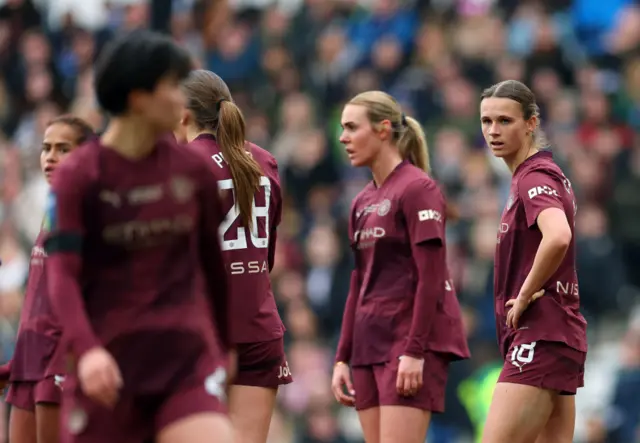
{"points": [[37, 368], [402, 323], [544, 343], [248, 179], [136, 273]]}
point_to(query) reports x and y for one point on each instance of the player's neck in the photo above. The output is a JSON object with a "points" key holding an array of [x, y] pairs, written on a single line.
{"points": [[519, 157], [129, 138], [384, 164], [193, 133]]}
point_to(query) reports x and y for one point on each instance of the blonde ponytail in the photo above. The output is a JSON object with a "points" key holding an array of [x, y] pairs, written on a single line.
{"points": [[413, 145]]}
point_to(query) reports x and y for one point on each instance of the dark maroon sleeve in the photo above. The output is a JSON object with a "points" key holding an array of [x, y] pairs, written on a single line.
{"points": [[423, 209], [346, 332], [276, 195], [539, 191], [345, 343], [211, 256], [64, 221]]}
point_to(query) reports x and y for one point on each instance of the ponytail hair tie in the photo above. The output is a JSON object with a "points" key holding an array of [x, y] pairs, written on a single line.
{"points": [[404, 120], [218, 103]]}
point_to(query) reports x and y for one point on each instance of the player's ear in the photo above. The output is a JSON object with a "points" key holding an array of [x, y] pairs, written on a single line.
{"points": [[138, 101], [186, 118]]}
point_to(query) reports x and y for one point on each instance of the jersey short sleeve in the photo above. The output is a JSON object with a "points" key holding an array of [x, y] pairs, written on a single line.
{"points": [[423, 208], [539, 190]]}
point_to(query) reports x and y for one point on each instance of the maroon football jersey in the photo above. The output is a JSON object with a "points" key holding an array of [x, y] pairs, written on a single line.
{"points": [[402, 300], [39, 331], [537, 184], [248, 254], [135, 263]]}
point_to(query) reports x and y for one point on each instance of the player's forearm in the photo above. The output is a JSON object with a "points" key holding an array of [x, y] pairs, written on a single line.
{"points": [[430, 261], [548, 258], [348, 318], [63, 270]]}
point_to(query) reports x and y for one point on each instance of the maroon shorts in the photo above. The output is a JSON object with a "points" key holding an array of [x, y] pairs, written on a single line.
{"points": [[546, 365], [375, 385], [27, 394], [139, 418], [263, 364]]}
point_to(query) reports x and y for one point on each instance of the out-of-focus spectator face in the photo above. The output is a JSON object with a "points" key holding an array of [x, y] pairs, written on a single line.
{"points": [[509, 69], [39, 86], [545, 35], [385, 7], [361, 81], [233, 40], [312, 149], [459, 98], [290, 286], [35, 49], [588, 173], [504, 127], [431, 44], [588, 79], [330, 45], [562, 111], [483, 237], [360, 139], [607, 144], [322, 246], [300, 320], [84, 47], [258, 129], [275, 23], [591, 221], [485, 203], [630, 356], [546, 85], [450, 147], [387, 54], [276, 59], [296, 113], [595, 107]]}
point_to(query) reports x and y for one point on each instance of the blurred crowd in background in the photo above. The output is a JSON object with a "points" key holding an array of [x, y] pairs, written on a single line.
{"points": [[291, 66]]}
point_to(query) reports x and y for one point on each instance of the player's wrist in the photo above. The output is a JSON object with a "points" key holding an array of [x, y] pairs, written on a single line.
{"points": [[340, 363]]}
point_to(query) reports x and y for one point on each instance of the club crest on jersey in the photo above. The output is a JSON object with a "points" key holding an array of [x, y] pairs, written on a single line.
{"points": [[50, 216], [384, 207], [182, 189]]}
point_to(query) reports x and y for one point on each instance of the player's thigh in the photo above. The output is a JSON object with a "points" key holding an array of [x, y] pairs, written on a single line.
{"points": [[370, 422], [263, 364], [250, 410], [22, 426], [403, 423], [48, 422], [204, 427], [367, 401], [518, 413], [48, 396], [561, 425], [22, 418]]}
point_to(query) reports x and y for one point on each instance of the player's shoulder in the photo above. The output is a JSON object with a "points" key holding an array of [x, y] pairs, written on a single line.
{"points": [[415, 180], [542, 163], [264, 158]]}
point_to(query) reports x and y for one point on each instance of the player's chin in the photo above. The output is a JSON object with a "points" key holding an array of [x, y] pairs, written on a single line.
{"points": [[357, 162]]}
